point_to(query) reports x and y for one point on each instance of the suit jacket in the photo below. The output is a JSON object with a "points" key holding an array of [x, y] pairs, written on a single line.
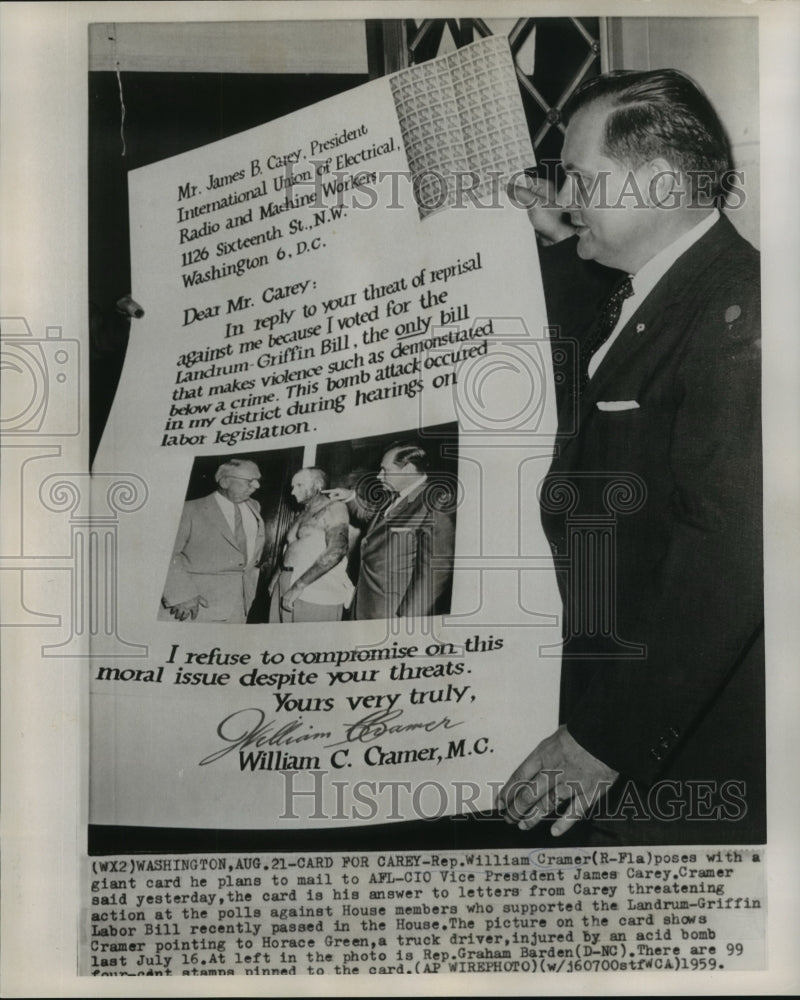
{"points": [[662, 674], [407, 560], [207, 561]]}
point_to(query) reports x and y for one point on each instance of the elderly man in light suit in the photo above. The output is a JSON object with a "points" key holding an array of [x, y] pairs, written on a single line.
{"points": [[215, 562]]}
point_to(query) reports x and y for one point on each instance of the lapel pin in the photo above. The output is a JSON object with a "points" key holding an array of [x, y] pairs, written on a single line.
{"points": [[732, 313], [640, 327]]}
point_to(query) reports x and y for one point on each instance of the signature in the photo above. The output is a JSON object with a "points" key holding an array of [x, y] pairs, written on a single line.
{"points": [[250, 727], [375, 725]]}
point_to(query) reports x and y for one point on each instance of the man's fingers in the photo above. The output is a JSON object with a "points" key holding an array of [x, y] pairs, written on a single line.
{"points": [[555, 795], [563, 823], [515, 800], [575, 811], [188, 609], [527, 771], [523, 798], [558, 771]]}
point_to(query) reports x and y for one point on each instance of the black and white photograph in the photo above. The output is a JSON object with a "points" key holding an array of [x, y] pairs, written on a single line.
{"points": [[368, 533]]}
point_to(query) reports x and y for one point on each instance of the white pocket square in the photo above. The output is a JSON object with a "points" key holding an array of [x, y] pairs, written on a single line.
{"points": [[617, 404]]}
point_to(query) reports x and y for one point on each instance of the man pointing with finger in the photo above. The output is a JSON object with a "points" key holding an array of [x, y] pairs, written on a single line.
{"points": [[656, 477]]}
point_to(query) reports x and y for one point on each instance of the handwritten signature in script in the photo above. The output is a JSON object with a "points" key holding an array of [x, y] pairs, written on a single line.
{"points": [[250, 727], [376, 725]]}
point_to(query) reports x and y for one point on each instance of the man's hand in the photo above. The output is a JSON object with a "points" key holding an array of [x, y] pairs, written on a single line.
{"points": [[291, 595], [339, 493], [538, 196], [188, 609], [559, 770]]}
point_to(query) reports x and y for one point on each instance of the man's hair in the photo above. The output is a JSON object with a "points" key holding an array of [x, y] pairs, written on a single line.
{"points": [[319, 477], [409, 453], [660, 113], [234, 467]]}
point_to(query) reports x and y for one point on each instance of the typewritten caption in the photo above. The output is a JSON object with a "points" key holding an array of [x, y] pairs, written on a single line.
{"points": [[540, 911]]}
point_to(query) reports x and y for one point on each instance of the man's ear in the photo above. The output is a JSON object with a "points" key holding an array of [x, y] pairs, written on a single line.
{"points": [[665, 186]]}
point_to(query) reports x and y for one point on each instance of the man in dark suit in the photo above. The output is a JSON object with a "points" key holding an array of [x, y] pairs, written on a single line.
{"points": [[214, 568], [652, 505], [407, 550]]}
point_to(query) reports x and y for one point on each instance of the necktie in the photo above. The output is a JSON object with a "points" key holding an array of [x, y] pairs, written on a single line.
{"points": [[609, 315], [238, 530], [390, 506]]}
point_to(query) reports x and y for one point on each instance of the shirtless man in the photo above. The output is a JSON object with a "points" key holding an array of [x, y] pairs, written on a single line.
{"points": [[312, 584]]}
